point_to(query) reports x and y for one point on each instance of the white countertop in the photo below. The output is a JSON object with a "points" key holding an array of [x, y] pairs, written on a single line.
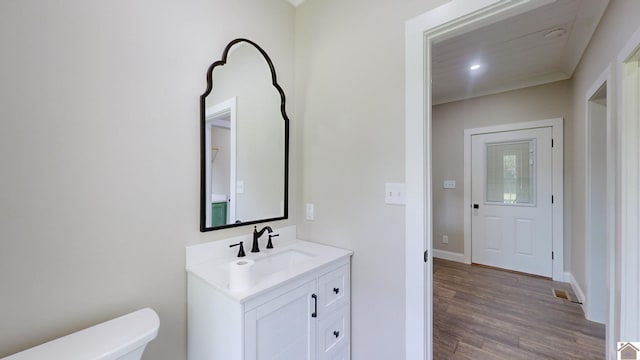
{"points": [[214, 271]]}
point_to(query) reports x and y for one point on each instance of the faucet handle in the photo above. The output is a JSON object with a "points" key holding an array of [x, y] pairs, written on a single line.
{"points": [[241, 250], [269, 243]]}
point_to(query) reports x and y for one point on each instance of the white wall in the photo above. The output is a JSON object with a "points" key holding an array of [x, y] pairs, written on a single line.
{"points": [[596, 221], [221, 165], [99, 151], [350, 92], [449, 122], [619, 22]]}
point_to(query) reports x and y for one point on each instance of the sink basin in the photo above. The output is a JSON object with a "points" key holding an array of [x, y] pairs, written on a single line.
{"points": [[278, 262], [272, 266]]}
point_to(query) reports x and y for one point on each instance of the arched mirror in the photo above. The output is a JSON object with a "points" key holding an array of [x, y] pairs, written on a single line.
{"points": [[244, 141]]}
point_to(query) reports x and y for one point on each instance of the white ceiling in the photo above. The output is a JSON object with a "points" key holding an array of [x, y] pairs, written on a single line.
{"points": [[514, 53]]}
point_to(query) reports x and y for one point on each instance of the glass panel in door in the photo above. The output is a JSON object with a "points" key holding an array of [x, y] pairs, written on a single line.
{"points": [[510, 173]]}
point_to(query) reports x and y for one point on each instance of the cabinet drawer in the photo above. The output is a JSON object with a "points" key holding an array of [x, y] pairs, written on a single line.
{"points": [[333, 333], [333, 289]]}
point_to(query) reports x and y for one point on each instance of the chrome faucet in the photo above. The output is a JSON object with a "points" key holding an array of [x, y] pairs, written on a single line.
{"points": [[256, 236]]}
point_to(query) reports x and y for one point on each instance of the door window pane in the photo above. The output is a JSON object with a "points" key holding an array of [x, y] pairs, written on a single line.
{"points": [[510, 172]]}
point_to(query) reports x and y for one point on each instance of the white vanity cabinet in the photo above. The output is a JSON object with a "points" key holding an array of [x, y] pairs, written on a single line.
{"points": [[306, 317]]}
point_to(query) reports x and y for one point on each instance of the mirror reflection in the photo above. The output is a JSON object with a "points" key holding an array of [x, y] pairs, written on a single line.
{"points": [[245, 139]]}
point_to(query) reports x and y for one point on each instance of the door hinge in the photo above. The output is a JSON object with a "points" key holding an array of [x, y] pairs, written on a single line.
{"points": [[426, 255], [551, 142], [552, 199], [552, 255]]}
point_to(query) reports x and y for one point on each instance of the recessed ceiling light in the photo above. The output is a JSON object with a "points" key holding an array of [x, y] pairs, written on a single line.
{"points": [[474, 67]]}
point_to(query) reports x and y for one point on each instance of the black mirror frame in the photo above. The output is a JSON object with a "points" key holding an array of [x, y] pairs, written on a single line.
{"points": [[203, 203]]}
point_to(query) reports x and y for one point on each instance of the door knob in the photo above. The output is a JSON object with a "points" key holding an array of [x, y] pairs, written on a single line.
{"points": [[336, 334], [336, 290], [476, 206]]}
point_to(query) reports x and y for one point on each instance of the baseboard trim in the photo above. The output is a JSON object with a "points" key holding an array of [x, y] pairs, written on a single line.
{"points": [[449, 255], [576, 288]]}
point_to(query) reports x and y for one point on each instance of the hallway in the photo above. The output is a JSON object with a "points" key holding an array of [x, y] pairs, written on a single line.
{"points": [[482, 313]]}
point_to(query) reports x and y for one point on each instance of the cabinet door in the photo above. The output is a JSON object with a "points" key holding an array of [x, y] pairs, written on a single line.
{"points": [[283, 328]]}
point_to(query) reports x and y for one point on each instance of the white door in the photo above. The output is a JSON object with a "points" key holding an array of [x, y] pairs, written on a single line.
{"points": [[283, 328], [511, 222]]}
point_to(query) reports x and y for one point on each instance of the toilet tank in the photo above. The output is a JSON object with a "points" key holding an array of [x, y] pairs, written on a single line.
{"points": [[122, 338]]}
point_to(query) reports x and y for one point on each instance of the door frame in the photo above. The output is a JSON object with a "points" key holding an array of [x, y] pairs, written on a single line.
{"points": [[604, 79], [557, 208], [448, 20], [628, 196]]}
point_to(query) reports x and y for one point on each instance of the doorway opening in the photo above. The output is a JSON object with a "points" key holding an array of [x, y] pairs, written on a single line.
{"points": [[596, 200], [447, 21], [220, 157]]}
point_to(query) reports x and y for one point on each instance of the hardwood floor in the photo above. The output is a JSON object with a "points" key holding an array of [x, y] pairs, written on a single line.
{"points": [[482, 313]]}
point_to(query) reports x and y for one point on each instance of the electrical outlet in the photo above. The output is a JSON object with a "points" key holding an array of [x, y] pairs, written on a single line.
{"points": [[449, 184], [445, 239]]}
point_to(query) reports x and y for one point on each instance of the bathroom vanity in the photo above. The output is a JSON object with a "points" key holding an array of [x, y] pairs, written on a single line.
{"points": [[291, 301], [296, 307]]}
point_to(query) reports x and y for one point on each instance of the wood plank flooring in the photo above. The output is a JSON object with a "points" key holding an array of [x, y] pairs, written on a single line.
{"points": [[482, 313]]}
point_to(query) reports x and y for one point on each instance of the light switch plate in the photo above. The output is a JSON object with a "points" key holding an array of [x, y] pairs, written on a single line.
{"points": [[394, 193], [309, 215], [449, 184]]}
